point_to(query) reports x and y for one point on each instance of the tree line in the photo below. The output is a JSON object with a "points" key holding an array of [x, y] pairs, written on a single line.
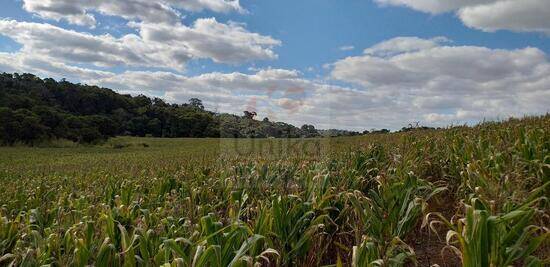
{"points": [[33, 110]]}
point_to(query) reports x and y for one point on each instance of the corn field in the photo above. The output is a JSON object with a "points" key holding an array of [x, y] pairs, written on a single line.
{"points": [[463, 196]]}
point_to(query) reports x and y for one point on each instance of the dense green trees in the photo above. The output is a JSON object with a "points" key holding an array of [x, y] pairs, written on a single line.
{"points": [[33, 110]]}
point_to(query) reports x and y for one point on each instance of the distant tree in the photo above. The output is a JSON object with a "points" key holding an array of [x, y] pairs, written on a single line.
{"points": [[309, 131], [28, 126], [157, 102], [52, 119], [138, 125], [90, 135], [9, 127], [154, 127], [196, 103], [415, 127], [249, 114], [142, 101], [382, 131], [104, 125]]}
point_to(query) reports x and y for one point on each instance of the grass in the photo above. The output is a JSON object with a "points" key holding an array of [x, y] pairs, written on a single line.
{"points": [[358, 201]]}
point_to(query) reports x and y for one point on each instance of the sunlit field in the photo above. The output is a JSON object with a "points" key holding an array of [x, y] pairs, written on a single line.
{"points": [[471, 196]]}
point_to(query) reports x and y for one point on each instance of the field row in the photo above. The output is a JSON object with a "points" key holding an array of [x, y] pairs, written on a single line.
{"points": [[471, 196]]}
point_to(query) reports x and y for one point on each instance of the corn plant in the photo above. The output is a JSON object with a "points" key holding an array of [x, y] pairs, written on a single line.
{"points": [[368, 254], [354, 201], [387, 214], [294, 228], [482, 239]]}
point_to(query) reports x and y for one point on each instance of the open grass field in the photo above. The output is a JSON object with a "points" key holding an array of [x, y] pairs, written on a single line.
{"points": [[462, 196]]}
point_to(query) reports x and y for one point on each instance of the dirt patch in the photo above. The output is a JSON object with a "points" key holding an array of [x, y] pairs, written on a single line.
{"points": [[429, 249], [429, 246]]}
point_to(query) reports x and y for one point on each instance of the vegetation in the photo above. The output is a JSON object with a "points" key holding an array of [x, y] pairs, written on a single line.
{"points": [[476, 196], [33, 111]]}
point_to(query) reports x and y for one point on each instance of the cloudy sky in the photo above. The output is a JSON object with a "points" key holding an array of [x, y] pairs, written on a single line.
{"points": [[355, 64]]}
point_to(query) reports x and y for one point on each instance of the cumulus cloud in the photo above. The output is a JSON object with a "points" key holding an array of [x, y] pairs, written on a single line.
{"points": [[272, 82], [437, 83], [67, 45], [519, 16], [47, 67], [277, 93], [404, 44], [488, 15], [280, 94], [222, 6], [165, 11], [155, 46], [207, 38]]}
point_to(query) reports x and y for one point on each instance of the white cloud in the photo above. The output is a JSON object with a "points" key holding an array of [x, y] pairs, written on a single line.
{"points": [[71, 46], [436, 83], [346, 47], [272, 92], [489, 15], [275, 82], [207, 38], [46, 67], [404, 44], [222, 6], [280, 94], [157, 45], [519, 16], [164, 11]]}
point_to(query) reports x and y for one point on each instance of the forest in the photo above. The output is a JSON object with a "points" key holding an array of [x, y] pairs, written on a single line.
{"points": [[34, 110]]}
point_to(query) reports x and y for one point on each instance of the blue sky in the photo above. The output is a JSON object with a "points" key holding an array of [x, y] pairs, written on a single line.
{"points": [[298, 61]]}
